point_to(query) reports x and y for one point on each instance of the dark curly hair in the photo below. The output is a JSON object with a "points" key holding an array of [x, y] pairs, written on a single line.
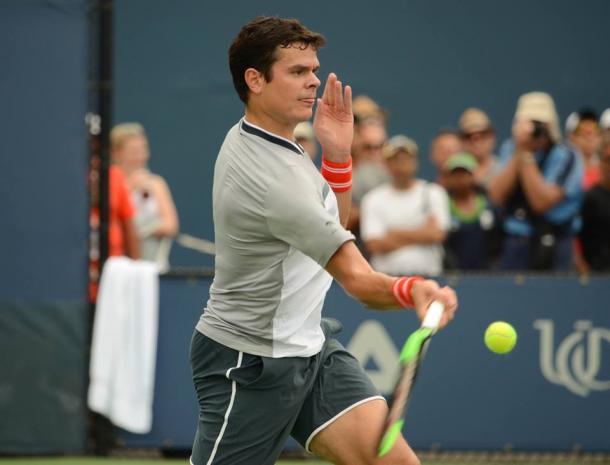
{"points": [[256, 44]]}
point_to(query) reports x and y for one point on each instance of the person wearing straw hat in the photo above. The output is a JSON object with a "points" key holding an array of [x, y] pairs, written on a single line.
{"points": [[539, 188]]}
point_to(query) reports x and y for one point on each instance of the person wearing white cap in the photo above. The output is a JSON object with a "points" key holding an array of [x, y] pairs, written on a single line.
{"points": [[404, 223], [585, 136], [539, 188], [604, 120]]}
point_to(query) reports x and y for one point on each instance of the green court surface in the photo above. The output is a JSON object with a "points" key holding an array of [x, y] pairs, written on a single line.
{"points": [[604, 460], [104, 461]]}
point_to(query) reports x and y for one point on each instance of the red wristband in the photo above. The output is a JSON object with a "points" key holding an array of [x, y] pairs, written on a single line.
{"points": [[401, 290], [337, 175]]}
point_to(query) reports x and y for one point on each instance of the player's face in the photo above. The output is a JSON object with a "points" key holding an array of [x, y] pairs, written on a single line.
{"points": [[290, 95]]}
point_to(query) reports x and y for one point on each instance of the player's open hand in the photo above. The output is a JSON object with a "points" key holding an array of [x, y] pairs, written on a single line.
{"points": [[334, 121], [425, 292]]}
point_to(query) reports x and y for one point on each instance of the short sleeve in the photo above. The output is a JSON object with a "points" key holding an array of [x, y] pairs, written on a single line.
{"points": [[296, 214], [372, 224], [564, 169]]}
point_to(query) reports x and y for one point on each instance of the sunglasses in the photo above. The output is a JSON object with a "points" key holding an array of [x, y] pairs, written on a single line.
{"points": [[372, 147], [476, 135]]}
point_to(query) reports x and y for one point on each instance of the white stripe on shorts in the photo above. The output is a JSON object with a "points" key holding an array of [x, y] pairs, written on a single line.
{"points": [[228, 412], [337, 416]]}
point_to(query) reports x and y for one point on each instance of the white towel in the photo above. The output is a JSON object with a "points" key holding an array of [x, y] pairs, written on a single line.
{"points": [[124, 345]]}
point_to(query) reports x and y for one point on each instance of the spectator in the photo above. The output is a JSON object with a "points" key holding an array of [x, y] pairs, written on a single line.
{"points": [[471, 241], [479, 139], [405, 221], [305, 137], [604, 121], [539, 187], [585, 138], [365, 108], [595, 233], [122, 236], [445, 143], [369, 170], [156, 219]]}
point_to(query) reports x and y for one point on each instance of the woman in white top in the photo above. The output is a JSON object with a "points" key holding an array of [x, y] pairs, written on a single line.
{"points": [[156, 219]]}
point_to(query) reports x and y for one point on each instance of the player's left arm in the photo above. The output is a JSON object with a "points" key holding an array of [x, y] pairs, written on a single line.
{"points": [[334, 127], [375, 290]]}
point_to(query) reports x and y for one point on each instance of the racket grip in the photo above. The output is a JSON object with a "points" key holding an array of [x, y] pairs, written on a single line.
{"points": [[433, 316]]}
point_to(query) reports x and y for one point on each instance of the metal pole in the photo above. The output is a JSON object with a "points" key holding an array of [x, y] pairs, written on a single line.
{"points": [[105, 113]]}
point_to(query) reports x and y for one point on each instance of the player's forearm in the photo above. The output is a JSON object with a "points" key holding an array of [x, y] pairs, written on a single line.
{"points": [[373, 290], [355, 275]]}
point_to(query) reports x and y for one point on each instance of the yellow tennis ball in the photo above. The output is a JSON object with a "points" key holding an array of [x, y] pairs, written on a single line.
{"points": [[500, 337]]}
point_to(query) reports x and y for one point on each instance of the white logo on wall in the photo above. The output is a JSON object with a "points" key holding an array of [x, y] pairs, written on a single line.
{"points": [[567, 366], [371, 341]]}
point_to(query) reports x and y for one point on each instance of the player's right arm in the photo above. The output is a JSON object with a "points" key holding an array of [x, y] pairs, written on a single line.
{"points": [[374, 289]]}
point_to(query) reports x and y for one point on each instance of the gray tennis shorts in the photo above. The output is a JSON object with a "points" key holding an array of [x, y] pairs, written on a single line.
{"points": [[249, 405]]}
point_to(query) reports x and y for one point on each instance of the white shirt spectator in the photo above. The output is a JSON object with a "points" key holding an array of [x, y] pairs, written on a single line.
{"points": [[386, 208]]}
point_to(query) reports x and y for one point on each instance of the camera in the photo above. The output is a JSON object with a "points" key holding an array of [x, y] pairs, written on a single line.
{"points": [[540, 130]]}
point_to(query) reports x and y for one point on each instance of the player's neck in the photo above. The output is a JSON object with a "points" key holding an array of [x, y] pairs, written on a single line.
{"points": [[268, 123]]}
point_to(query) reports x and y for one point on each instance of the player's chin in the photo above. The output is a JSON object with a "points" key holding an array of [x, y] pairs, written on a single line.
{"points": [[304, 114]]}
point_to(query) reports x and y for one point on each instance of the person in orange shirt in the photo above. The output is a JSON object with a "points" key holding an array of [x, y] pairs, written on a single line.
{"points": [[122, 237]]}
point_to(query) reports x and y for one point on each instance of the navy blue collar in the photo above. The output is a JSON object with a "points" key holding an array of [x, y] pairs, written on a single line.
{"points": [[256, 131]]}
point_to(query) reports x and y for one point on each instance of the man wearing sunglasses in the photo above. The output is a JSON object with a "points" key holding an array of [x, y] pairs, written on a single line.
{"points": [[479, 139]]}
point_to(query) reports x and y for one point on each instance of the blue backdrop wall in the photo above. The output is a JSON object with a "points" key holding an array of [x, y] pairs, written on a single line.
{"points": [[552, 392], [43, 232], [424, 60]]}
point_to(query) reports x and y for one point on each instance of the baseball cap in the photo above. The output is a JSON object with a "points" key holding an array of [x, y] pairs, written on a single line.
{"points": [[365, 108], [474, 120], [539, 106], [572, 122], [397, 143], [461, 160]]}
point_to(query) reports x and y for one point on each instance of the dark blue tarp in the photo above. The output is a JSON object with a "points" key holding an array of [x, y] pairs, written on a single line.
{"points": [[44, 48]]}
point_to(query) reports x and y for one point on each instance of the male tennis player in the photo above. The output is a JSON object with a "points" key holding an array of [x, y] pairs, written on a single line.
{"points": [[264, 364]]}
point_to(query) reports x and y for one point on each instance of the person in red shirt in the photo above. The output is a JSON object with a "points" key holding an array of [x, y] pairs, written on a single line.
{"points": [[585, 136], [122, 237]]}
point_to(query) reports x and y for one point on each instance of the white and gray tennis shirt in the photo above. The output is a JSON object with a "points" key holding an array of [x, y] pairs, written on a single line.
{"points": [[276, 224]]}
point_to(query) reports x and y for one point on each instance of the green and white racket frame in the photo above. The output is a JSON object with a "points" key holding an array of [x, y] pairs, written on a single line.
{"points": [[411, 355]]}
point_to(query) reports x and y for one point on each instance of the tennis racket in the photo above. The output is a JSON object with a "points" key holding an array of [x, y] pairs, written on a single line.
{"points": [[411, 358]]}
